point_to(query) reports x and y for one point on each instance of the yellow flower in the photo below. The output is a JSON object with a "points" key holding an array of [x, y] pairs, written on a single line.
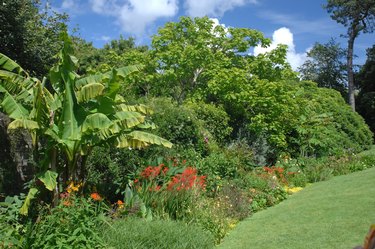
{"points": [[73, 188], [293, 190], [232, 225]]}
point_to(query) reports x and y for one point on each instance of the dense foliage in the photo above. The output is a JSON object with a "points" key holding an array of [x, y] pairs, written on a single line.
{"points": [[325, 65], [246, 132], [366, 97]]}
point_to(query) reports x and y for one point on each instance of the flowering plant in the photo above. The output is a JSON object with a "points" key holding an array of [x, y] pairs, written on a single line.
{"points": [[169, 190]]}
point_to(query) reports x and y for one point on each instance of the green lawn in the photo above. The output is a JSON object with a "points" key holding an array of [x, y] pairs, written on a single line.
{"points": [[331, 214]]}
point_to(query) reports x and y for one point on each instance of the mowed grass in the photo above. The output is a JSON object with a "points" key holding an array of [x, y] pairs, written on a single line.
{"points": [[331, 214]]}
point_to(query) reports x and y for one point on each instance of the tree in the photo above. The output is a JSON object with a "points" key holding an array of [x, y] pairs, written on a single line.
{"points": [[190, 51], [365, 80], [30, 36], [325, 66], [358, 16], [79, 114], [198, 60]]}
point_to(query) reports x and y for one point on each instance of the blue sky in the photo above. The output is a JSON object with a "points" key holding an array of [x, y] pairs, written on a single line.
{"points": [[297, 23]]}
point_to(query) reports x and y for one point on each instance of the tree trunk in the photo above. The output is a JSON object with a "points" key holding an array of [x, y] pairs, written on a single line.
{"points": [[351, 89]]}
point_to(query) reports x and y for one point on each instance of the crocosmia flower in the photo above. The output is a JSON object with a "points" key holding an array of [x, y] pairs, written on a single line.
{"points": [[96, 197]]}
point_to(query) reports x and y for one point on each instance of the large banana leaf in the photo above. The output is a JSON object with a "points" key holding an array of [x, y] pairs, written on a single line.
{"points": [[114, 84], [23, 123], [49, 179], [129, 119], [97, 78], [135, 108], [68, 124], [41, 112], [14, 109], [8, 64], [89, 92], [140, 139], [31, 195], [95, 122], [16, 81]]}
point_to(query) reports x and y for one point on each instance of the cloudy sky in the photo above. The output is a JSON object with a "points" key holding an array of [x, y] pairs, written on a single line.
{"points": [[296, 23]]}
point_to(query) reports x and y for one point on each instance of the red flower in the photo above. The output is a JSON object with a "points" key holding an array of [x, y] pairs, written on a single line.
{"points": [[188, 179], [96, 197], [165, 170], [151, 172]]}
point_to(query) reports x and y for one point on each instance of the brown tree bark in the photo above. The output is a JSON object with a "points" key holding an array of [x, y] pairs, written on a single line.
{"points": [[351, 89]]}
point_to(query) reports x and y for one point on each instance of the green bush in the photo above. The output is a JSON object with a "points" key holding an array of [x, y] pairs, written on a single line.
{"points": [[12, 223], [264, 189], [320, 169], [216, 120], [108, 170], [326, 125], [218, 166], [138, 233], [72, 224], [180, 125]]}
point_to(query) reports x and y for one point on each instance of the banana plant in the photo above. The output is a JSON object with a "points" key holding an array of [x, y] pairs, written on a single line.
{"points": [[70, 114]]}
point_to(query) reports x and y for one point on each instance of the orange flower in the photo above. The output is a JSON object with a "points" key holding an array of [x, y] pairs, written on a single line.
{"points": [[120, 204], [96, 196], [67, 203]]}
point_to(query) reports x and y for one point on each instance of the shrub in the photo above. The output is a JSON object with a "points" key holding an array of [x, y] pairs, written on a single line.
{"points": [[211, 214], [180, 125], [235, 202], [158, 234], [215, 120], [72, 224], [218, 166], [12, 223], [264, 188], [326, 126]]}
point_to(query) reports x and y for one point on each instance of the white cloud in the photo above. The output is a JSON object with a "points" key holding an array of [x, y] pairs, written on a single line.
{"points": [[213, 7], [74, 7], [68, 4], [284, 36], [217, 23], [135, 15], [105, 38]]}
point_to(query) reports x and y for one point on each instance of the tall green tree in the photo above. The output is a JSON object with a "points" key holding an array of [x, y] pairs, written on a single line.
{"points": [[325, 65], [357, 16], [365, 80], [190, 51], [29, 34]]}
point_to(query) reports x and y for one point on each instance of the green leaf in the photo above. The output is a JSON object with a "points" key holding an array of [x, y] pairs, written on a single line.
{"points": [[23, 123], [10, 65], [114, 84], [69, 123], [49, 178], [130, 119], [89, 92], [140, 139], [135, 108], [24, 210], [97, 78], [14, 109], [96, 121]]}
